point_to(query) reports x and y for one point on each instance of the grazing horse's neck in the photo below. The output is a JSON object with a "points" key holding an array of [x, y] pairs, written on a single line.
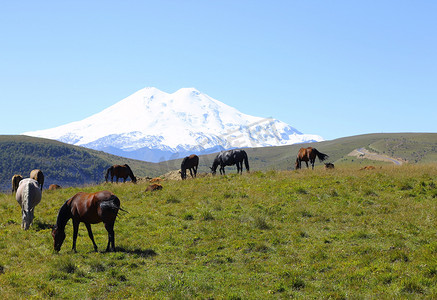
{"points": [[63, 216], [215, 165]]}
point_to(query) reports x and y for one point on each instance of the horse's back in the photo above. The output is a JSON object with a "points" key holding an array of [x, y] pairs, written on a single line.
{"points": [[302, 152], [194, 158], [231, 157], [190, 161], [88, 208], [28, 190], [38, 175], [121, 170]]}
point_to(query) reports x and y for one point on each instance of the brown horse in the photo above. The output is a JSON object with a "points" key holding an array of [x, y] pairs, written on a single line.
{"points": [[154, 187], [53, 187], [15, 181], [90, 209], [309, 154], [191, 163], [38, 176], [118, 171]]}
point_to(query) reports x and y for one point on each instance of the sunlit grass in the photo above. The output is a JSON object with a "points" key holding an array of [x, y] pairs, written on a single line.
{"points": [[341, 233]]}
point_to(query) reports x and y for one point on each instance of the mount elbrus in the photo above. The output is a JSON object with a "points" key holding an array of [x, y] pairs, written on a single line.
{"points": [[155, 126]]}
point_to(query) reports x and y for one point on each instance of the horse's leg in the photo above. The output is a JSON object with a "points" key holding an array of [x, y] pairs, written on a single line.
{"points": [[23, 223], [191, 173], [195, 171], [111, 237], [90, 234], [306, 162], [75, 231], [239, 168]]}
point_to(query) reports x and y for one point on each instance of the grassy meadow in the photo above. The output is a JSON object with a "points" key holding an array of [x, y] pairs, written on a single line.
{"points": [[340, 234]]}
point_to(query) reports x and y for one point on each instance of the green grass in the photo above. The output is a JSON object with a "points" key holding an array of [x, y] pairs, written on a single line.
{"points": [[335, 234]]}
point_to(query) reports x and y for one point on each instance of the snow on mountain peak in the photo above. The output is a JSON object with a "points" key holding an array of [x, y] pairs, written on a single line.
{"points": [[153, 125]]}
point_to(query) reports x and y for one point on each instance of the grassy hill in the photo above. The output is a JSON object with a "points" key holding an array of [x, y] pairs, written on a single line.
{"points": [[61, 163], [69, 165], [412, 147], [322, 234]]}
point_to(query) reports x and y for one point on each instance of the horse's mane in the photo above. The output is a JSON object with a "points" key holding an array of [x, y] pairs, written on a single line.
{"points": [[63, 216]]}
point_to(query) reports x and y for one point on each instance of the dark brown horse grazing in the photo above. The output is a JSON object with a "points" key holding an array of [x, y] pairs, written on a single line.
{"points": [[191, 163], [15, 181], [38, 176], [309, 155], [118, 171], [90, 209]]}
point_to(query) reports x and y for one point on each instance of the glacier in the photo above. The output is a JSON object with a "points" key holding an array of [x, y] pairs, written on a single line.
{"points": [[155, 126]]}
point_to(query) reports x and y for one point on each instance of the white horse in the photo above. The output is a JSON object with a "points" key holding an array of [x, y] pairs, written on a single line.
{"points": [[28, 196]]}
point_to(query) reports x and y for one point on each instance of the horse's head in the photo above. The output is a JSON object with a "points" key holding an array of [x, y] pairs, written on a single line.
{"points": [[213, 170], [183, 174], [215, 164], [296, 165], [58, 238], [134, 179]]}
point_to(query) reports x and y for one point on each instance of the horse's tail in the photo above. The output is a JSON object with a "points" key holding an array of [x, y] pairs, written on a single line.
{"points": [[320, 155], [112, 204], [246, 161], [107, 173]]}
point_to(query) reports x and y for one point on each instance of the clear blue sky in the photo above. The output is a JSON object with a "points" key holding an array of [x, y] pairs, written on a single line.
{"points": [[333, 68]]}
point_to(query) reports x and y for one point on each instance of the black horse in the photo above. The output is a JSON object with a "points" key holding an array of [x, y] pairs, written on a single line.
{"points": [[191, 163], [229, 158]]}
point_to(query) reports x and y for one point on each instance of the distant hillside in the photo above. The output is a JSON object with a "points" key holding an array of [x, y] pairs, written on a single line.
{"points": [[61, 163], [69, 165], [412, 147]]}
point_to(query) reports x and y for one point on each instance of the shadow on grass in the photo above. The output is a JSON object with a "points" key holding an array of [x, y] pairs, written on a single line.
{"points": [[146, 253], [40, 225]]}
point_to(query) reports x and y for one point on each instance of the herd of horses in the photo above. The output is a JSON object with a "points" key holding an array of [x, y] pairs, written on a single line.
{"points": [[103, 206]]}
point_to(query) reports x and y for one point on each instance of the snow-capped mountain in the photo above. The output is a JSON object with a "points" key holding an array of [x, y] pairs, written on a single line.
{"points": [[155, 126]]}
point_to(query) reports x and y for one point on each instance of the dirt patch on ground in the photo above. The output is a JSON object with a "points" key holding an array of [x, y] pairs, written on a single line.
{"points": [[172, 175], [364, 153]]}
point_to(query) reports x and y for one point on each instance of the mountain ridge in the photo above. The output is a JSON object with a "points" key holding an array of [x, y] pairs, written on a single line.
{"points": [[156, 126]]}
